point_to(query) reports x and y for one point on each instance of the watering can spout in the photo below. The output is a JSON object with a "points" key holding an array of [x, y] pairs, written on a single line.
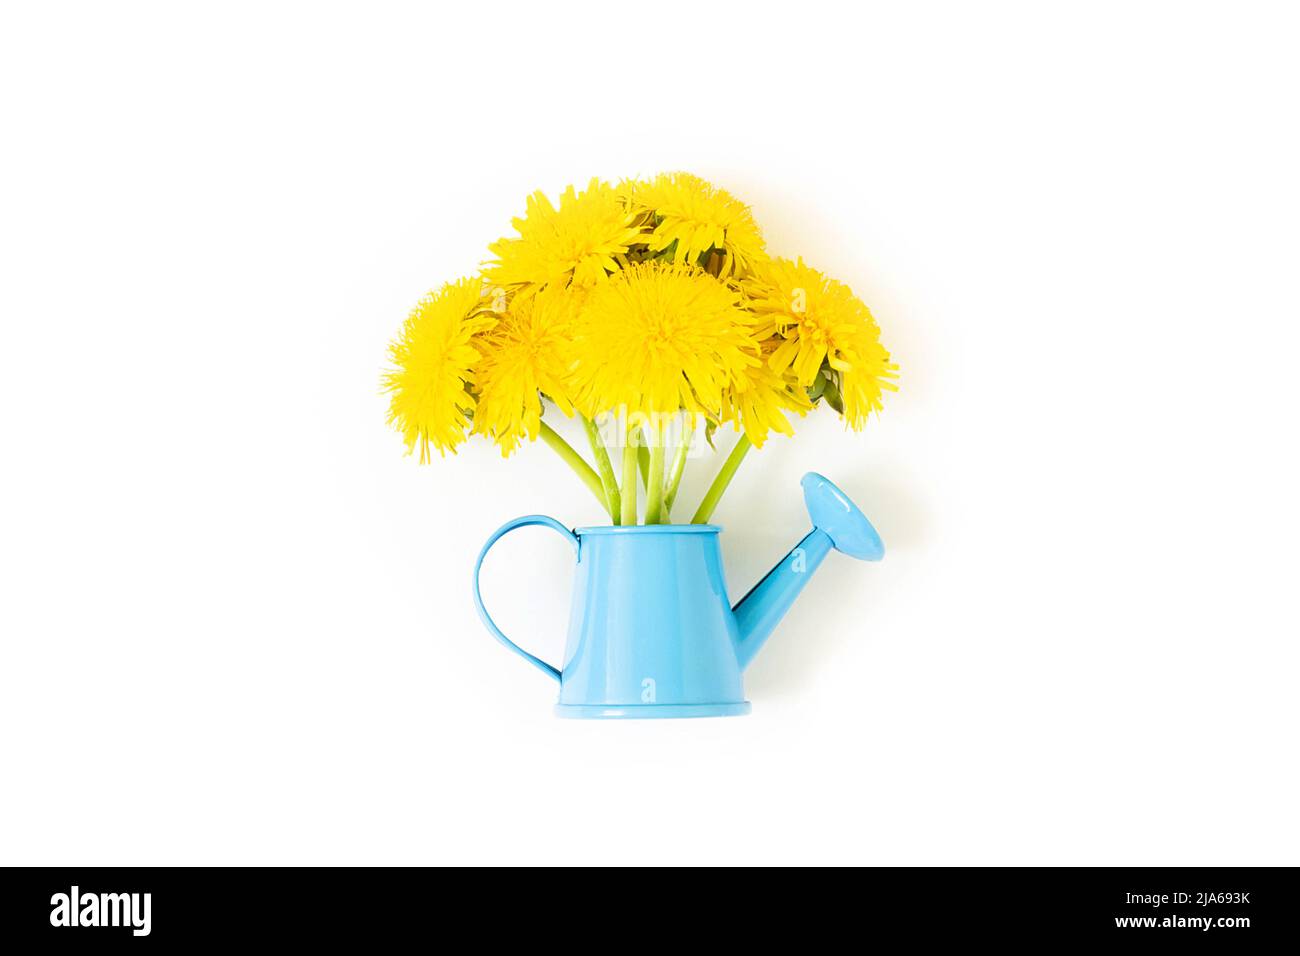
{"points": [[838, 524]]}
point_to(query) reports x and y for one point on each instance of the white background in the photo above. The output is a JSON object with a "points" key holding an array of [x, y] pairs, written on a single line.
{"points": [[236, 620]]}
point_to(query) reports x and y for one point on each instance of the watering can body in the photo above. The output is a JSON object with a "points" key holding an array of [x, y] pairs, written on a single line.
{"points": [[650, 626], [651, 630]]}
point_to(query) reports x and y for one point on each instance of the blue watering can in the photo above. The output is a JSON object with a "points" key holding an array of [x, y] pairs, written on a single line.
{"points": [[651, 632]]}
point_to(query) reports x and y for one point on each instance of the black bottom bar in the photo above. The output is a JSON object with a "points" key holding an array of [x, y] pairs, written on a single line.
{"points": [[136, 907]]}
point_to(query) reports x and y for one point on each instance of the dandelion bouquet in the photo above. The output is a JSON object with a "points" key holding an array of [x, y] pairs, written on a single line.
{"points": [[653, 313]]}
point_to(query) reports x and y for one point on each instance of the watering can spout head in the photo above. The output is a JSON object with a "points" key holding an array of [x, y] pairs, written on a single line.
{"points": [[837, 525], [833, 513]]}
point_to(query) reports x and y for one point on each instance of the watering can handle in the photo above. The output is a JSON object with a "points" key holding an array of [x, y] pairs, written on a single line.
{"points": [[490, 624]]}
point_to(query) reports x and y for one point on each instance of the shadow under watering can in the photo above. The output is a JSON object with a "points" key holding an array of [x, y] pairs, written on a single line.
{"points": [[651, 631]]}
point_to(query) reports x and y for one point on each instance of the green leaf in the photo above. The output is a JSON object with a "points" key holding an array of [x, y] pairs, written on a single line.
{"points": [[832, 396], [818, 386]]}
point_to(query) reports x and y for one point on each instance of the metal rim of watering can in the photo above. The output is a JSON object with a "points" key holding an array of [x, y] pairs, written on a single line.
{"points": [[650, 529]]}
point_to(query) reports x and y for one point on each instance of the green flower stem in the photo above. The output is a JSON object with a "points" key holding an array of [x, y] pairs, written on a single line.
{"points": [[678, 466], [725, 474], [574, 461], [629, 478], [654, 486], [605, 467], [643, 461]]}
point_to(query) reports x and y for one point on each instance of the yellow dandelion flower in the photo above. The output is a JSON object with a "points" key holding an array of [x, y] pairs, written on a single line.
{"points": [[582, 240], [698, 216], [656, 338], [759, 401], [527, 355], [823, 325], [433, 359]]}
